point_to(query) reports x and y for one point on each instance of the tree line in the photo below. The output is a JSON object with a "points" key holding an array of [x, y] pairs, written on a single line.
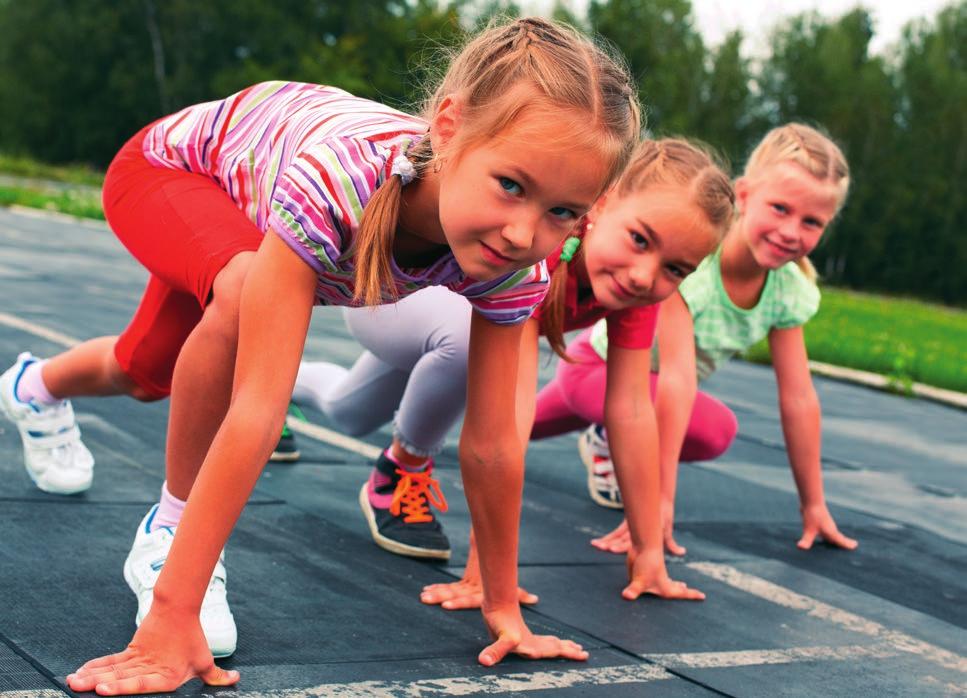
{"points": [[78, 77]]}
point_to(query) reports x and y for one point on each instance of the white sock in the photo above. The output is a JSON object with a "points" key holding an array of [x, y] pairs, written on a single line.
{"points": [[169, 511]]}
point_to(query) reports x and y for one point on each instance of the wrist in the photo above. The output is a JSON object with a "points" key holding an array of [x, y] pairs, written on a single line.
{"points": [[812, 501], [500, 607], [173, 605]]}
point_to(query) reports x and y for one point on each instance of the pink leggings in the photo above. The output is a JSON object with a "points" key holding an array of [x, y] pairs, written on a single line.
{"points": [[575, 398]]}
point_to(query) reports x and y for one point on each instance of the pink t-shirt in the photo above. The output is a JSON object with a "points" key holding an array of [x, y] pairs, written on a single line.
{"points": [[631, 328]]}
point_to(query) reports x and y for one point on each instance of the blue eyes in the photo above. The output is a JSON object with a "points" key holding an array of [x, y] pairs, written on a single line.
{"points": [[643, 243], [514, 189], [510, 186]]}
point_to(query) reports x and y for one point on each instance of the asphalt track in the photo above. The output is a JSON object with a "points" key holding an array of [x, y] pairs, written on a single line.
{"points": [[322, 611]]}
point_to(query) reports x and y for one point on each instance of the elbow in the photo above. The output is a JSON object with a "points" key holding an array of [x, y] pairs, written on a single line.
{"points": [[801, 402], [678, 382], [490, 455], [255, 430]]}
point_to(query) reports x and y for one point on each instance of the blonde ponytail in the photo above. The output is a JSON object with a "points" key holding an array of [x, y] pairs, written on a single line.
{"points": [[552, 310], [373, 246]]}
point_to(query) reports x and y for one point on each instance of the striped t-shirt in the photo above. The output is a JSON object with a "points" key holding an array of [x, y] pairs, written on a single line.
{"points": [[303, 160]]}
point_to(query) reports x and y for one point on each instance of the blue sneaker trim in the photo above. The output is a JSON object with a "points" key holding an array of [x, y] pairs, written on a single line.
{"points": [[147, 522], [16, 384]]}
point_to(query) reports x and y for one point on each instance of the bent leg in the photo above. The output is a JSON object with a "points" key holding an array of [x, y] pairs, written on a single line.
{"points": [[711, 429], [424, 337], [359, 400]]}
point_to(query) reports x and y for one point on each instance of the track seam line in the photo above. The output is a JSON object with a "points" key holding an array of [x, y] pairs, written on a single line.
{"points": [[41, 669]]}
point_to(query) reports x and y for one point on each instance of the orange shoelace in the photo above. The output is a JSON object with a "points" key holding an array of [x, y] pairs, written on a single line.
{"points": [[414, 493]]}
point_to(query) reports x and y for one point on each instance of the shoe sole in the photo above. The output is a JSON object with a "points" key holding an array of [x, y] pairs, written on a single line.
{"points": [[217, 652], [587, 458], [389, 544], [33, 478], [288, 457]]}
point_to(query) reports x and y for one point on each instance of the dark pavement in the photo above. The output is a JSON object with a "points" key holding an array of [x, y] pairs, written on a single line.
{"points": [[322, 611]]}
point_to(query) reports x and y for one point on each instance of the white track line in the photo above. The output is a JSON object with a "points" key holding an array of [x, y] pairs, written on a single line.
{"points": [[38, 330], [476, 685], [34, 693], [817, 609], [333, 438], [716, 660]]}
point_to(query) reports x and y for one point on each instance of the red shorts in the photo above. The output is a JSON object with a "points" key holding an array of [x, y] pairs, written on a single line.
{"points": [[184, 229]]}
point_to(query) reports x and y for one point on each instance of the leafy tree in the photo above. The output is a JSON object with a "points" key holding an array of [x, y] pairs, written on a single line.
{"points": [[666, 55]]}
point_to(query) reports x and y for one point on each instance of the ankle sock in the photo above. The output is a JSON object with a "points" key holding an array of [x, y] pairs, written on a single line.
{"points": [[31, 386], [410, 468], [383, 473], [169, 511]]}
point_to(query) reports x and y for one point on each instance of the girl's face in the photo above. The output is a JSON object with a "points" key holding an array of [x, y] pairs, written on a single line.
{"points": [[783, 212], [642, 245], [506, 203]]}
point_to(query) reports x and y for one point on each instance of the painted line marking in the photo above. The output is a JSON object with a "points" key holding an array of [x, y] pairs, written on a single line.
{"points": [[34, 693], [716, 660], [817, 609], [333, 438], [475, 685], [38, 330], [42, 214]]}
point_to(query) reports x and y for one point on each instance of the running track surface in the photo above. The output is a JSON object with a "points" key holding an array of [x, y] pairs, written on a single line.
{"points": [[322, 611]]}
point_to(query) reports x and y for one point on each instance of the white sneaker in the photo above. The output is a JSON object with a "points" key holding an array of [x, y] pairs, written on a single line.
{"points": [[602, 483], [143, 566], [54, 455]]}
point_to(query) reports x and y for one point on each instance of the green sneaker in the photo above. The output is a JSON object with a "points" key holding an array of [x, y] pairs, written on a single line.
{"points": [[287, 451]]}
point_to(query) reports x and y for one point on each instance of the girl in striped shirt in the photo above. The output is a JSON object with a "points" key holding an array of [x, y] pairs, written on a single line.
{"points": [[348, 202]]}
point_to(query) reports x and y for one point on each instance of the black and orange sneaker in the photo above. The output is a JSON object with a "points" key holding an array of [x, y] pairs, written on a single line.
{"points": [[396, 503]]}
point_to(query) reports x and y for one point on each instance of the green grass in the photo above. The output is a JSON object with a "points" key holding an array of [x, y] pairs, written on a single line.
{"points": [[82, 203], [69, 174], [905, 340]]}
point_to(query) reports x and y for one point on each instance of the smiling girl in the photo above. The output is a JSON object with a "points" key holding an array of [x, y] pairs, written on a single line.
{"points": [[347, 202], [758, 284], [668, 210]]}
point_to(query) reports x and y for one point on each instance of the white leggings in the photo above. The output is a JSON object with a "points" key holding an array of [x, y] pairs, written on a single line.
{"points": [[414, 367]]}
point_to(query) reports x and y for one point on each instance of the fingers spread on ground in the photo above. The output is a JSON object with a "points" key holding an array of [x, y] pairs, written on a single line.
{"points": [[106, 660], [497, 650], [144, 683], [216, 676], [463, 602]]}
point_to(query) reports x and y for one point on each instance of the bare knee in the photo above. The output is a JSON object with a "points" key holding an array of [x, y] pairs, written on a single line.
{"points": [[142, 395], [124, 384]]}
